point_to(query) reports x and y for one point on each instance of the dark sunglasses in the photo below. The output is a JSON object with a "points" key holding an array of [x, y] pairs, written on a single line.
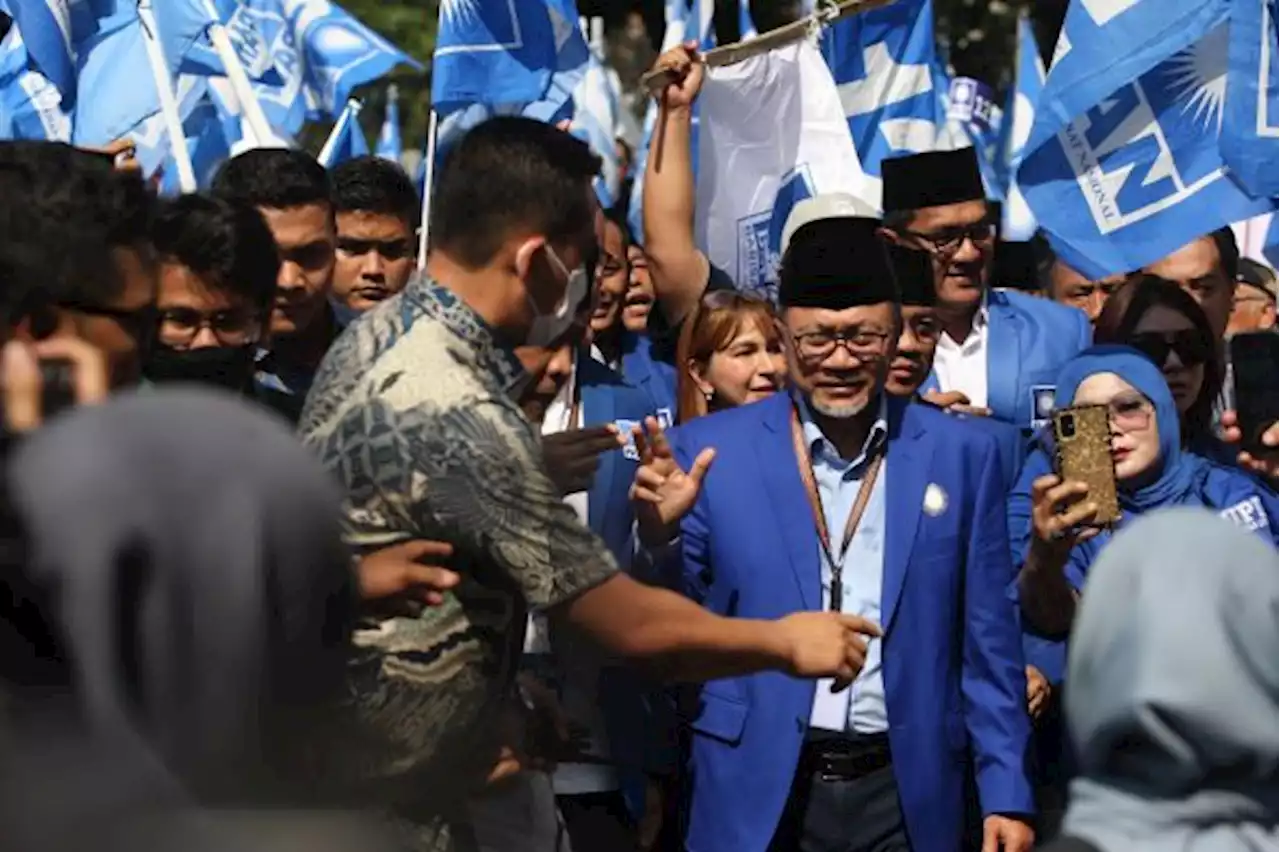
{"points": [[1189, 345]]}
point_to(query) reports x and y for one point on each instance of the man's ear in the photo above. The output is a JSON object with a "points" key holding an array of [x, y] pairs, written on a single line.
{"points": [[527, 253], [889, 236]]}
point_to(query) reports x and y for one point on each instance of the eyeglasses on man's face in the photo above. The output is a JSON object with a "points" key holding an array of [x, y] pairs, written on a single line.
{"points": [[946, 243], [820, 344], [181, 326]]}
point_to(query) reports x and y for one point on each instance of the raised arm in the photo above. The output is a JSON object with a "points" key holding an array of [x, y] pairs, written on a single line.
{"points": [[678, 268]]}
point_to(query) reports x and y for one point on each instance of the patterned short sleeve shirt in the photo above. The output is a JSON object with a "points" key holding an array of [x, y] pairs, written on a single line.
{"points": [[412, 410]]}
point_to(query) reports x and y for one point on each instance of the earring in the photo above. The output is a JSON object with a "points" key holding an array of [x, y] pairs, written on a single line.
{"points": [[707, 395]]}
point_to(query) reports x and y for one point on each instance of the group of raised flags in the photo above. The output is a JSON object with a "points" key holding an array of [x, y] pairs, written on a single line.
{"points": [[1157, 123], [534, 58], [237, 73]]}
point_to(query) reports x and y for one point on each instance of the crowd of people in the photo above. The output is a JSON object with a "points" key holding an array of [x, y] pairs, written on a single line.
{"points": [[554, 540]]}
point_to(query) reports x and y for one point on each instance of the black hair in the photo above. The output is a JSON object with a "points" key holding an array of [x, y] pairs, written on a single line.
{"points": [[228, 245], [62, 212], [507, 173], [1224, 240], [275, 178], [619, 218], [375, 185], [1045, 257], [1125, 309]]}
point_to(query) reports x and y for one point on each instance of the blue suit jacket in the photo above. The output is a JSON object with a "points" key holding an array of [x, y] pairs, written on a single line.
{"points": [[638, 720], [1028, 341], [655, 377], [952, 663], [607, 398], [1009, 441]]}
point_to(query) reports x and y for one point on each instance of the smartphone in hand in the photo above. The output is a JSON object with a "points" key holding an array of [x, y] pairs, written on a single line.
{"points": [[1255, 370], [1082, 434]]}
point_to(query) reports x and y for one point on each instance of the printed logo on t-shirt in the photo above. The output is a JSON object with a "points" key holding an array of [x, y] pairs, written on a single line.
{"points": [[628, 430], [1247, 514], [1041, 404]]}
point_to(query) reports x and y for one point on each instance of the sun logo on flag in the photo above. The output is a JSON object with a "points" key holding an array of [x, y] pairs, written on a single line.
{"points": [[459, 11], [1199, 78]]}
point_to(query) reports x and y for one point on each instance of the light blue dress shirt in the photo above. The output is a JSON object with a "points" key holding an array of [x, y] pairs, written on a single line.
{"points": [[861, 706]]}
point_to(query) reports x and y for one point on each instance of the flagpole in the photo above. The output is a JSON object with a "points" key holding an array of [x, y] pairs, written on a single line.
{"points": [[424, 227], [238, 78], [168, 102], [349, 114], [827, 13]]}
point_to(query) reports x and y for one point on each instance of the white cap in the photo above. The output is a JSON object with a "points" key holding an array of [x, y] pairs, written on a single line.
{"points": [[830, 205]]}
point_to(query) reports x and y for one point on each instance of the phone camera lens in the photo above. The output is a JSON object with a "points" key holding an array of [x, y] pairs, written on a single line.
{"points": [[1067, 426]]}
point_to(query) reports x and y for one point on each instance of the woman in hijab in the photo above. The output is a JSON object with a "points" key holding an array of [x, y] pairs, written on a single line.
{"points": [[1159, 319], [1175, 729], [187, 585], [1152, 471]]}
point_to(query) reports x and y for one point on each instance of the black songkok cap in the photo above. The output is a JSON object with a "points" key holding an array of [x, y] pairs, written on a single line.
{"points": [[931, 180], [835, 264], [913, 270]]}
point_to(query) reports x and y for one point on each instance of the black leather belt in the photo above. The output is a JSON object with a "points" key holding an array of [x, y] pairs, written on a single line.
{"points": [[845, 758]]}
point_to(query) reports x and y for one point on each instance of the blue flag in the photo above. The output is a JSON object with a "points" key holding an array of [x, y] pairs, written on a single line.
{"points": [[1019, 222], [1123, 163], [596, 103], [1251, 124], [676, 13], [884, 63], [499, 51], [746, 26], [702, 14], [46, 28], [116, 90], [340, 53], [30, 105], [346, 140], [389, 145], [253, 26], [972, 104]]}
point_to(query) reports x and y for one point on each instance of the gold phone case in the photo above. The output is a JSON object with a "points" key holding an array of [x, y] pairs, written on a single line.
{"points": [[1082, 434]]}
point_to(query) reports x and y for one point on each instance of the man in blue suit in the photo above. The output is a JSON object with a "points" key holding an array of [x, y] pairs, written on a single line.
{"points": [[1001, 349], [894, 511]]}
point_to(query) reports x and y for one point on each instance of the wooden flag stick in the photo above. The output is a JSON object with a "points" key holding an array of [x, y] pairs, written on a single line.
{"points": [[658, 79]]}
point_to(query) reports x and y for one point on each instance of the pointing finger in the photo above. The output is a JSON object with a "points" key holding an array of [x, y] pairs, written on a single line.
{"points": [[858, 624]]}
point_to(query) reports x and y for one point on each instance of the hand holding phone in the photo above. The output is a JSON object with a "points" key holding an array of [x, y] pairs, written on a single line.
{"points": [[39, 379], [1255, 371], [1082, 437]]}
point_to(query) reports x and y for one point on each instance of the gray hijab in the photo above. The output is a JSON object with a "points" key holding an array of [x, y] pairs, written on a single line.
{"points": [[186, 553], [1172, 690]]}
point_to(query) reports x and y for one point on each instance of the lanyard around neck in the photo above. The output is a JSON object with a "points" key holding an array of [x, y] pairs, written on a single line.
{"points": [[805, 463]]}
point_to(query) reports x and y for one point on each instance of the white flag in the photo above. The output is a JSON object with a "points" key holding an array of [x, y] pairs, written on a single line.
{"points": [[772, 133]]}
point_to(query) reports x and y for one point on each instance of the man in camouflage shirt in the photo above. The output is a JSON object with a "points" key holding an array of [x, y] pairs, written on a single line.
{"points": [[414, 410]]}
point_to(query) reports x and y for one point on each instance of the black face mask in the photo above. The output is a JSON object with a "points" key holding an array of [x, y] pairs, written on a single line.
{"points": [[228, 367]]}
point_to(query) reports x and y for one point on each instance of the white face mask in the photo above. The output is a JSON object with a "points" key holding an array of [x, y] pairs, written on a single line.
{"points": [[547, 328]]}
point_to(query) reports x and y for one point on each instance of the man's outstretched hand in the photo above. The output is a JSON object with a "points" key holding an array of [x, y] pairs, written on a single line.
{"points": [[826, 644]]}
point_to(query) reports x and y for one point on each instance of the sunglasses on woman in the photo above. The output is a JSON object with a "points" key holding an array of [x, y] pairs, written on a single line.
{"points": [[1189, 345]]}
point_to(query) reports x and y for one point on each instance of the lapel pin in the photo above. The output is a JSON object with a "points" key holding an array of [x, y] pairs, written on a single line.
{"points": [[935, 500]]}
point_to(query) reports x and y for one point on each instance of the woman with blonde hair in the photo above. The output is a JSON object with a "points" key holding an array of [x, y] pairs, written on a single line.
{"points": [[730, 353]]}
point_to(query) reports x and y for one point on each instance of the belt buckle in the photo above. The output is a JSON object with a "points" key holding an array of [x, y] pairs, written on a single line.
{"points": [[831, 766]]}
